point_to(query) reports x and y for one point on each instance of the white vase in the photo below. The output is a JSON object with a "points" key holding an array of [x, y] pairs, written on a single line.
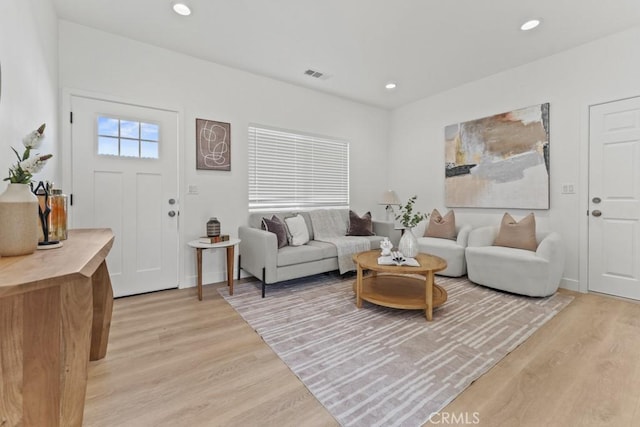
{"points": [[19, 221], [408, 244]]}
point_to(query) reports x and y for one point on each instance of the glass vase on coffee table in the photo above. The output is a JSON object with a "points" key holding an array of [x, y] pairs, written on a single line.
{"points": [[409, 219], [408, 244]]}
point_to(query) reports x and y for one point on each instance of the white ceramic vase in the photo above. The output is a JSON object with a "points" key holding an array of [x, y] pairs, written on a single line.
{"points": [[408, 244], [19, 221]]}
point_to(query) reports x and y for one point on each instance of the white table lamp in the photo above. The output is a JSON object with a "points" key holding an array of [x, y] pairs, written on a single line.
{"points": [[389, 198]]}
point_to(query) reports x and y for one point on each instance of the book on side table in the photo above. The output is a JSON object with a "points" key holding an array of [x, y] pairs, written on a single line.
{"points": [[216, 239]]}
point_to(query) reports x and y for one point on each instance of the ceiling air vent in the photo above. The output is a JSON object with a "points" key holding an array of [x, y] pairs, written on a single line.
{"points": [[315, 74]]}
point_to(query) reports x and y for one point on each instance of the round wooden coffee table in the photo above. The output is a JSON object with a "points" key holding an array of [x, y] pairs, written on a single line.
{"points": [[397, 290]]}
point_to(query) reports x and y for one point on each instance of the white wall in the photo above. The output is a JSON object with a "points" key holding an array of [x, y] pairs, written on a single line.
{"points": [[29, 60], [600, 71], [117, 67], [101, 63]]}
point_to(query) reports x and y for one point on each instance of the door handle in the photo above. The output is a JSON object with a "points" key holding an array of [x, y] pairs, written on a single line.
{"points": [[596, 213], [172, 213]]}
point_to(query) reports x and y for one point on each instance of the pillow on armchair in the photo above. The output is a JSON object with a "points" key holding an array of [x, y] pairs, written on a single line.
{"points": [[442, 227], [517, 234]]}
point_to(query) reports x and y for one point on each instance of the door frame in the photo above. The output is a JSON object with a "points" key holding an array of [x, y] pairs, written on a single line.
{"points": [[66, 163], [583, 188]]}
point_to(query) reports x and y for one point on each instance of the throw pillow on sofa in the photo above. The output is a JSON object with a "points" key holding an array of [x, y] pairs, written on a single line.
{"points": [[360, 226], [442, 227], [517, 234], [277, 227], [298, 232]]}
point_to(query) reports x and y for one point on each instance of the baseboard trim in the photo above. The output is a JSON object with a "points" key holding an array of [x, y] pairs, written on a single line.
{"points": [[570, 284], [220, 277]]}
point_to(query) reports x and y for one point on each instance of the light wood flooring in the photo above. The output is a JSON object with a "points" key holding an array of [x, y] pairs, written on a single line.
{"points": [[175, 361]]}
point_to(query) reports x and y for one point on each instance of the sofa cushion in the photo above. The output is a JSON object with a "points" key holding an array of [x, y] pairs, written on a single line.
{"points": [[298, 233], [276, 226], [517, 234], [441, 227], [360, 226], [290, 255], [328, 249]]}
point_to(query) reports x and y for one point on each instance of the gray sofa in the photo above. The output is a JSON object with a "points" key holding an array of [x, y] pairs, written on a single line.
{"points": [[260, 256]]}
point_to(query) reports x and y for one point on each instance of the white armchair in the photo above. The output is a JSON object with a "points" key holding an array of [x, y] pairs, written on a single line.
{"points": [[520, 271], [452, 251]]}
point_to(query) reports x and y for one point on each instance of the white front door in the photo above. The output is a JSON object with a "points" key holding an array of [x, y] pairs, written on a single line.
{"points": [[125, 177], [614, 198]]}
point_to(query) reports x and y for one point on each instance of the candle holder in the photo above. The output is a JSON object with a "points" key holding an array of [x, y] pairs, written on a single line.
{"points": [[44, 210]]}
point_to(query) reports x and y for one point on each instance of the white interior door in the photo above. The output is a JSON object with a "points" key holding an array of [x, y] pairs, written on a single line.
{"points": [[614, 198], [125, 177]]}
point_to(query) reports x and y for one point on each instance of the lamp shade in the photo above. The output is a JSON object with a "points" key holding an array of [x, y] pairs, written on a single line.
{"points": [[389, 197]]}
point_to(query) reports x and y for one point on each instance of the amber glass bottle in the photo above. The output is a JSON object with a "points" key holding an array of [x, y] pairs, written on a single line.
{"points": [[58, 216]]}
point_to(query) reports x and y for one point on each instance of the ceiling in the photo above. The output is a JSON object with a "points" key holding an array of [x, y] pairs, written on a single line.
{"points": [[425, 46]]}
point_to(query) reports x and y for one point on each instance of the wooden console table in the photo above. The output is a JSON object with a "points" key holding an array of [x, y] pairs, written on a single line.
{"points": [[55, 314]]}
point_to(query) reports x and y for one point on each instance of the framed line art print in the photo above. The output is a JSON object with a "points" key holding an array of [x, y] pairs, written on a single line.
{"points": [[213, 145]]}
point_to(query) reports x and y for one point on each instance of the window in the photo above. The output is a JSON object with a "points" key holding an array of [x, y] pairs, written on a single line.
{"points": [[290, 170], [127, 138]]}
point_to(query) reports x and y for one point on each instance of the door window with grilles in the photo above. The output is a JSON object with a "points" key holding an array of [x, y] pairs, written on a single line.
{"points": [[128, 138]]}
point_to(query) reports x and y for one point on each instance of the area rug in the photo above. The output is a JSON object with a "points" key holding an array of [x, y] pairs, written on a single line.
{"points": [[379, 366]]}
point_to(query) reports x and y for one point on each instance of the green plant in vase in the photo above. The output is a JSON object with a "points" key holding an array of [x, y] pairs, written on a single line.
{"points": [[409, 219]]}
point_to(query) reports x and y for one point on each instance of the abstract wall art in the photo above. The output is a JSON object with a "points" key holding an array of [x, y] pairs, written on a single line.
{"points": [[501, 161], [213, 145]]}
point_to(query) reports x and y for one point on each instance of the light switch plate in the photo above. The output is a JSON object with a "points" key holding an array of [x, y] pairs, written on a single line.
{"points": [[568, 188]]}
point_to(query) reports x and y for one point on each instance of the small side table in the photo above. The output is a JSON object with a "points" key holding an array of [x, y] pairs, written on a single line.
{"points": [[199, 246]]}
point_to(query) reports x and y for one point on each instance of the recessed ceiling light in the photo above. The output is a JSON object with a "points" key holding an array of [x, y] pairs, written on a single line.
{"points": [[181, 9], [530, 25], [390, 85]]}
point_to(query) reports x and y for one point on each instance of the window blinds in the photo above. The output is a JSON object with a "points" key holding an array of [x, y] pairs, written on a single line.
{"points": [[289, 170]]}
